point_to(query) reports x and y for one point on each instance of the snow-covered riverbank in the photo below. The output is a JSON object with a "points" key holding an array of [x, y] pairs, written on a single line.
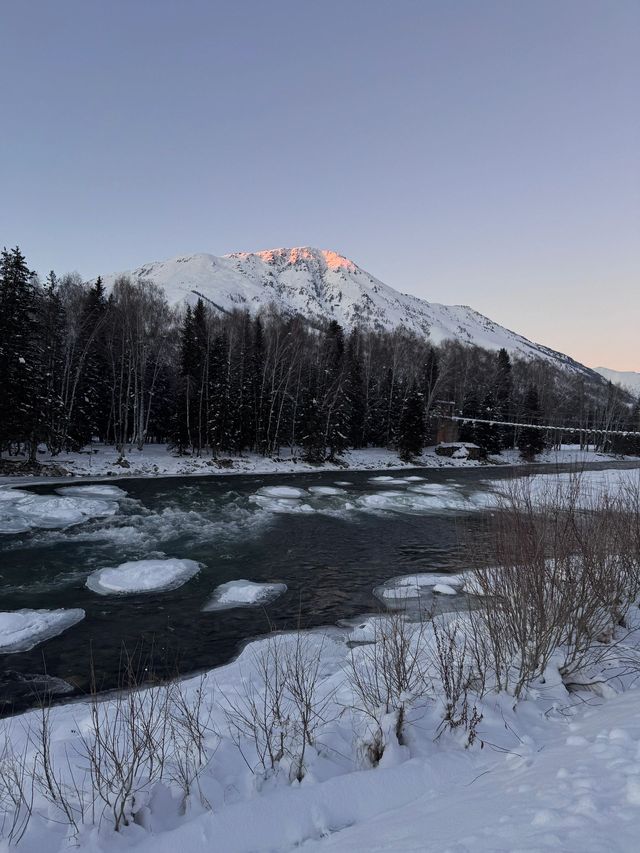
{"points": [[557, 771], [288, 746], [158, 460]]}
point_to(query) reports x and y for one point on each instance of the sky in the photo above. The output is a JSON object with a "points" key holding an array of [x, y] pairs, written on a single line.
{"points": [[468, 151]]}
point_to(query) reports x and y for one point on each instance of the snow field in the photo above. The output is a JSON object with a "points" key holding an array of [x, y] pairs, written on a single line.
{"points": [[564, 772]]}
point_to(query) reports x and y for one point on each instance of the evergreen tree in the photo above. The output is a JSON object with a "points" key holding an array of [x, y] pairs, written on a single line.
{"points": [[52, 330], [468, 430], [504, 396], [355, 391], [487, 435], [185, 406], [20, 355], [336, 411], [220, 422], [531, 441], [411, 430]]}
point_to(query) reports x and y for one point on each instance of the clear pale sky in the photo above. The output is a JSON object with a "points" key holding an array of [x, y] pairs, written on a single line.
{"points": [[484, 153]]}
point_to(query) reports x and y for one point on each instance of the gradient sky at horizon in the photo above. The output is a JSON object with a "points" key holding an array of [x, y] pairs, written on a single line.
{"points": [[483, 153]]}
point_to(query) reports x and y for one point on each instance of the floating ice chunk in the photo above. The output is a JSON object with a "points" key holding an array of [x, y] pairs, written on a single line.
{"points": [[11, 522], [445, 589], [243, 593], [325, 490], [415, 586], [282, 492], [411, 502], [414, 478], [21, 630], [281, 504], [22, 510], [110, 493], [381, 479], [142, 576], [12, 495], [48, 511], [343, 483]]}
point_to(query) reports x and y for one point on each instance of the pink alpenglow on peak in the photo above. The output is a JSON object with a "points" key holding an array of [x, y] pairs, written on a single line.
{"points": [[301, 255]]}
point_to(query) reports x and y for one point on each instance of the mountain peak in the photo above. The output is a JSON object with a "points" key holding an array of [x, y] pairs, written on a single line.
{"points": [[322, 285], [300, 256]]}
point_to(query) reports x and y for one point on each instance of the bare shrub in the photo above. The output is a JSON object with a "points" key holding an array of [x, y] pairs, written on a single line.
{"points": [[309, 705], [453, 662], [64, 790], [16, 789], [385, 676], [558, 577], [279, 710], [257, 712], [190, 728]]}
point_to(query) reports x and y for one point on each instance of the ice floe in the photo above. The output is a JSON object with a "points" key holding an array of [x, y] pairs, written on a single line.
{"points": [[282, 492], [142, 576], [243, 593], [96, 490], [325, 490], [21, 630], [418, 585], [21, 511]]}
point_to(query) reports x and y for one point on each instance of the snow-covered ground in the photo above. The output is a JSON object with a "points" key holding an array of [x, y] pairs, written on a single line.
{"points": [[556, 771], [159, 460]]}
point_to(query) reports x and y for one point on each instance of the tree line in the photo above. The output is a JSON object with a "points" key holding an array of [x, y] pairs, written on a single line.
{"points": [[78, 364]]}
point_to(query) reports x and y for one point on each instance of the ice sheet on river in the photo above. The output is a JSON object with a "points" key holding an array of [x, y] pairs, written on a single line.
{"points": [[326, 491], [95, 490], [416, 586], [21, 511], [142, 576], [21, 630], [243, 593], [282, 492]]}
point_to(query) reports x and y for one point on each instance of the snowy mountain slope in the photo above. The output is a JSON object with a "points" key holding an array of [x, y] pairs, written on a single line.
{"points": [[629, 379], [321, 284]]}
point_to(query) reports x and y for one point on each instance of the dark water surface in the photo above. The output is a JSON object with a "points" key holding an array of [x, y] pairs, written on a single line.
{"points": [[331, 559]]}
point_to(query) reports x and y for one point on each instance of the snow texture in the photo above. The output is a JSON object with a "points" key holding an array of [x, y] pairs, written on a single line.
{"points": [[323, 285], [142, 576], [414, 586], [21, 511], [629, 379], [243, 593], [21, 630]]}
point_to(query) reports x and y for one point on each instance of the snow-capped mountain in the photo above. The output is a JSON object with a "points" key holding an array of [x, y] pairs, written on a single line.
{"points": [[321, 284], [629, 379]]}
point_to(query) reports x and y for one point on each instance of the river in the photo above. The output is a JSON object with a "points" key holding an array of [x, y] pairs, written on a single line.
{"points": [[330, 550]]}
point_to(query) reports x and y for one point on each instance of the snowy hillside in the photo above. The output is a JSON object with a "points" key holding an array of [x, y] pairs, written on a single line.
{"points": [[629, 379], [321, 284]]}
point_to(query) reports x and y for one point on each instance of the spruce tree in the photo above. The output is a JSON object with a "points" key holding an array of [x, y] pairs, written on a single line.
{"points": [[411, 431], [20, 353], [504, 396], [355, 391], [487, 435], [531, 441]]}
